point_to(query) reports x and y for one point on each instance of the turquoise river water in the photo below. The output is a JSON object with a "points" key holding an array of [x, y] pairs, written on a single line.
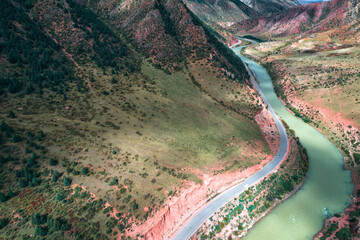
{"points": [[326, 187]]}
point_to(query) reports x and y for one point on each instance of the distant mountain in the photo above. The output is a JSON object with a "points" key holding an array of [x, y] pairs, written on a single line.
{"points": [[269, 6], [302, 19], [311, 1], [222, 12]]}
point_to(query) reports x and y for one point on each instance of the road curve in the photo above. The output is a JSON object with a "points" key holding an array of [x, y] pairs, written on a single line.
{"points": [[190, 227]]}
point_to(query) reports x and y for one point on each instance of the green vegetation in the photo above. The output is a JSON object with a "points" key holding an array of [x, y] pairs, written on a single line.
{"points": [[108, 48], [258, 199], [344, 234], [253, 38], [224, 50], [333, 227], [89, 138], [33, 52]]}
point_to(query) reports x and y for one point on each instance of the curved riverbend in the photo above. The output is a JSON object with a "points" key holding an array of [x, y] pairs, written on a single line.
{"points": [[200, 217], [327, 185]]}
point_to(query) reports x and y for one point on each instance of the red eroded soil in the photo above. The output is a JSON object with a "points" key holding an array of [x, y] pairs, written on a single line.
{"points": [[191, 199]]}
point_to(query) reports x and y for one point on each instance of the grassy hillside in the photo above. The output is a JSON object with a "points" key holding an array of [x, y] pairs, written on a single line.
{"points": [[99, 129]]}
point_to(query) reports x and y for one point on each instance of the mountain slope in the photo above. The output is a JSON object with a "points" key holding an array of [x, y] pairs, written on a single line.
{"points": [[223, 12], [114, 115], [266, 6]]}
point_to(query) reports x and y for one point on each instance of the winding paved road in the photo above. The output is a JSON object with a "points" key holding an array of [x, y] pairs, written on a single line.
{"points": [[197, 220]]}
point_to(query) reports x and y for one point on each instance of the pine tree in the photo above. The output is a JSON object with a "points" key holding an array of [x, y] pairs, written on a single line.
{"points": [[3, 197], [10, 193], [67, 181]]}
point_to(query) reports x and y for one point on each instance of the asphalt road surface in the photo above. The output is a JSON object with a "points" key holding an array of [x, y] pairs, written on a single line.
{"points": [[197, 220]]}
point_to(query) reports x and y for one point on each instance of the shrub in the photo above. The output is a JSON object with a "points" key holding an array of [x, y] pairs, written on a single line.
{"points": [[114, 181], [31, 162], [16, 139], [2, 159], [344, 234], [3, 197], [3, 222], [55, 175], [38, 219], [67, 181], [59, 197], [10, 193], [41, 135], [57, 224], [53, 161], [23, 183], [35, 182], [41, 231], [357, 157], [85, 171], [11, 114]]}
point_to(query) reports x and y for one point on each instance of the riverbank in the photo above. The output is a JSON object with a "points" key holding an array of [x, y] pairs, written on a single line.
{"points": [[319, 112], [273, 206], [194, 197], [238, 216]]}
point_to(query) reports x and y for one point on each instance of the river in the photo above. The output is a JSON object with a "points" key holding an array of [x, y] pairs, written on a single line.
{"points": [[326, 187]]}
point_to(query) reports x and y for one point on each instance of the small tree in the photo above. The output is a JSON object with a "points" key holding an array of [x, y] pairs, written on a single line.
{"points": [[85, 171], [3, 197], [41, 135], [55, 176], [40, 231], [344, 234], [59, 197], [67, 181], [10, 193], [35, 182], [53, 161], [23, 183], [16, 139], [38, 219], [3, 222], [11, 114], [114, 181]]}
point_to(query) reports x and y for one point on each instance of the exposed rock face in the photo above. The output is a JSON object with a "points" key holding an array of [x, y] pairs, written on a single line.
{"points": [[303, 19], [222, 12], [266, 6]]}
